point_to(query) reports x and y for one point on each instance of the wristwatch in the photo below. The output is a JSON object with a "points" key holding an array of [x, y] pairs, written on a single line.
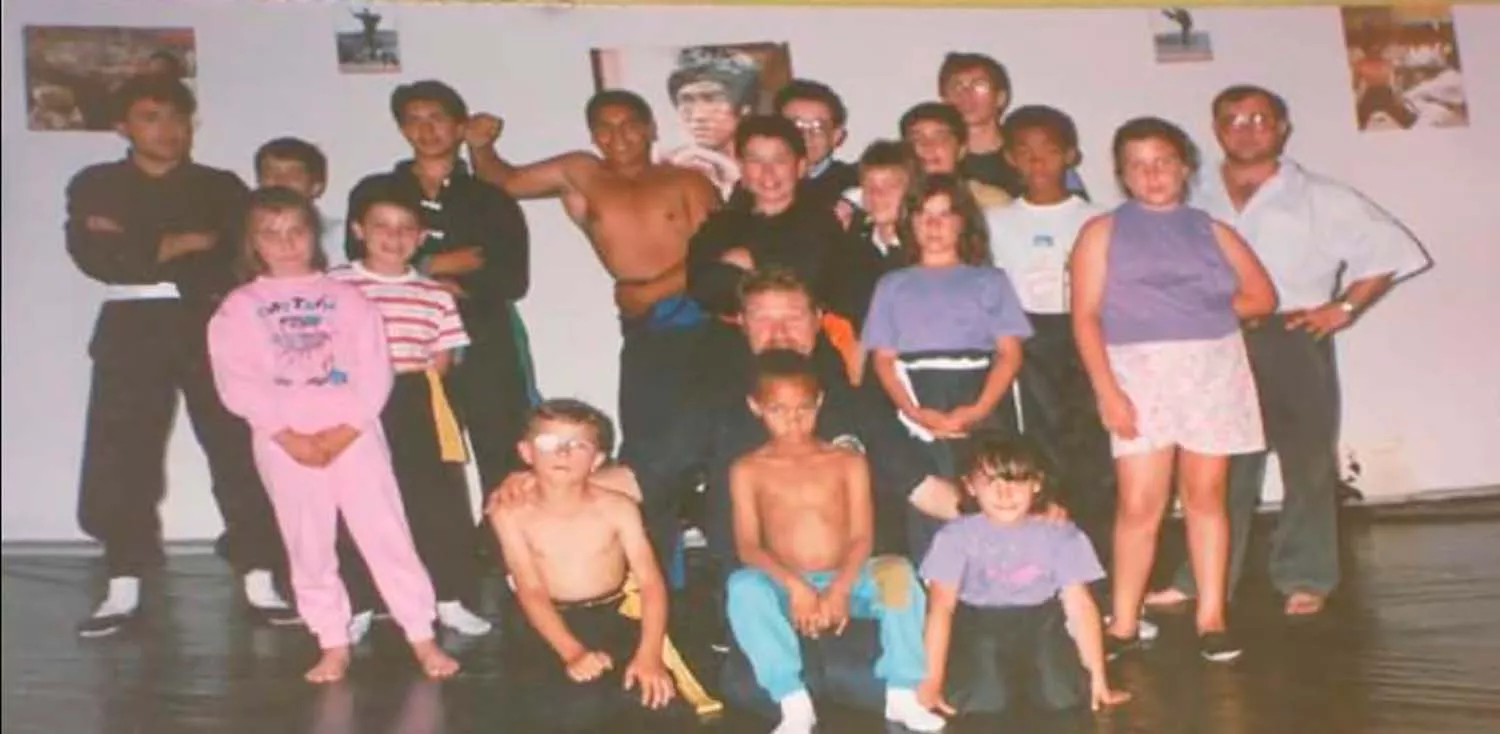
{"points": [[1347, 306]]}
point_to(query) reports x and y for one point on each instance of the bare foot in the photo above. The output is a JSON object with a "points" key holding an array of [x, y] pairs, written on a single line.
{"points": [[435, 663], [331, 667], [1168, 598], [1303, 604]]}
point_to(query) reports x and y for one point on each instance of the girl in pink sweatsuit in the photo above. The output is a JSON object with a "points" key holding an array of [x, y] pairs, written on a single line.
{"points": [[303, 359]]}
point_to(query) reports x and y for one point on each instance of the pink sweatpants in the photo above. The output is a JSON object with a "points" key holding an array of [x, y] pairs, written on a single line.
{"points": [[361, 485]]}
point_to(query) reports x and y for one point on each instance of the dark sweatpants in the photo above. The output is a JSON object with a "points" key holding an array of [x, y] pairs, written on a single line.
{"points": [[999, 657], [488, 392], [657, 359], [1059, 412], [146, 352], [542, 697]]}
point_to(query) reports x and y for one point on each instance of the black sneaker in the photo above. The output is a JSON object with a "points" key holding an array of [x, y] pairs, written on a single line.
{"points": [[104, 625], [276, 616], [1114, 646], [1218, 647]]}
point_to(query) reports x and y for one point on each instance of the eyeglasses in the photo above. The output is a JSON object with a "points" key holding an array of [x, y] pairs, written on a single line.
{"points": [[814, 127], [1251, 121], [551, 443], [970, 85]]}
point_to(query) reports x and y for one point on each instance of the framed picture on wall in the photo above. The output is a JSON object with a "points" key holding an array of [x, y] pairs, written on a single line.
{"points": [[367, 40], [698, 95], [1403, 63], [72, 72], [1178, 35]]}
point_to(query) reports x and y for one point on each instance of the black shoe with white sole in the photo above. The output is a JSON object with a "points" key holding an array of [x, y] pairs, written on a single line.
{"points": [[104, 625], [1219, 647], [1114, 646], [276, 616]]}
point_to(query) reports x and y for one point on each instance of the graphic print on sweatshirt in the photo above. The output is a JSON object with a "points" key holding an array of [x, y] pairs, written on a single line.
{"points": [[302, 332]]}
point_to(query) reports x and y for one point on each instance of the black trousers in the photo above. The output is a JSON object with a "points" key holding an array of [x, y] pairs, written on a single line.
{"points": [[1060, 413], [656, 362], [145, 353], [946, 389], [545, 699], [488, 391], [1001, 657]]}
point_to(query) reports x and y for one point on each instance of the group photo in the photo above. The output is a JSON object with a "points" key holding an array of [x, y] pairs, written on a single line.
{"points": [[741, 385]]}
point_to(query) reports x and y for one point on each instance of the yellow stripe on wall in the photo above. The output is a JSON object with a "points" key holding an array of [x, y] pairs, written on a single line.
{"points": [[926, 3]]}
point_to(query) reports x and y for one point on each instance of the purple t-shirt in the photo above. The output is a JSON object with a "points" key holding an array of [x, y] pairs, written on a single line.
{"points": [[1018, 565], [954, 309]]}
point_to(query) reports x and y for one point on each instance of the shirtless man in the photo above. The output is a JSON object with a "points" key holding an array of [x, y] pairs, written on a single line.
{"points": [[638, 216], [579, 559], [803, 527]]}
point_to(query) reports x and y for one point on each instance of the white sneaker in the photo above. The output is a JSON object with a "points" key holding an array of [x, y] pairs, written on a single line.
{"points": [[359, 626], [261, 594], [797, 715], [454, 616], [901, 706]]}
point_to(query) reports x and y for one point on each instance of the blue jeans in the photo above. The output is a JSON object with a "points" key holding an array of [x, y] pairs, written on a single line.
{"points": [[758, 615]]}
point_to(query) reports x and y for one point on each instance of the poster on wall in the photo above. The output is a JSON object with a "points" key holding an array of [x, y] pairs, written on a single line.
{"points": [[1403, 61], [72, 72], [367, 40], [1178, 35], [698, 95]]}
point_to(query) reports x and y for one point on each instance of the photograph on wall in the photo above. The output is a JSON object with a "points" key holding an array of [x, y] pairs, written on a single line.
{"points": [[698, 94], [367, 40], [1403, 60], [72, 72], [1178, 36]]}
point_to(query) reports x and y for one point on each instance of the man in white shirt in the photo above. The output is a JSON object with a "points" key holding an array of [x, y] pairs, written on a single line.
{"points": [[1331, 254]]}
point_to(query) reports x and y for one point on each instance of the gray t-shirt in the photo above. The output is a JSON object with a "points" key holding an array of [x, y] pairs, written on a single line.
{"points": [[1023, 564], [953, 309]]}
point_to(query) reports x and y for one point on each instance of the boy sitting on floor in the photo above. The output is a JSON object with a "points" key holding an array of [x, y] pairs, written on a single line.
{"points": [[803, 528], [591, 654]]}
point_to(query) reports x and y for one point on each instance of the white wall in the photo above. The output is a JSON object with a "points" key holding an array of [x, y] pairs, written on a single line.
{"points": [[1419, 407]]}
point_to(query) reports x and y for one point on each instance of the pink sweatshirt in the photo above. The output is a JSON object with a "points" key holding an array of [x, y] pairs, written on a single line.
{"points": [[305, 353]]}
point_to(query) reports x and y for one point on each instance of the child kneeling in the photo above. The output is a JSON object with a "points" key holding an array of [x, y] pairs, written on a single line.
{"points": [[593, 653], [1006, 589], [803, 528]]}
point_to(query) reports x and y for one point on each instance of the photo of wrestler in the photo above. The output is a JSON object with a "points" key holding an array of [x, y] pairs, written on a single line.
{"points": [[73, 71], [1405, 68], [705, 89]]}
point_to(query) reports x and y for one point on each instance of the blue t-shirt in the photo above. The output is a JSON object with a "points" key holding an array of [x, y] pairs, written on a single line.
{"points": [[962, 308], [1023, 564]]}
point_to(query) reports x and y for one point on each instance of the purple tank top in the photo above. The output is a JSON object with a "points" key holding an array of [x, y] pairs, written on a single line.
{"points": [[1167, 279]]}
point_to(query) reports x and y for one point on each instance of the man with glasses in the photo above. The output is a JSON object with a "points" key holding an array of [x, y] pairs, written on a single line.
{"points": [[820, 116], [1331, 253]]}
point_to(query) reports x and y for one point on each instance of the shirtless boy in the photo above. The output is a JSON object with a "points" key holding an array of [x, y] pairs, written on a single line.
{"points": [[802, 528], [638, 215], [579, 559]]}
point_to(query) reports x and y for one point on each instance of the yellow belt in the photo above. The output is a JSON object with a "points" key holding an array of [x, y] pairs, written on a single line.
{"points": [[450, 436], [687, 684]]}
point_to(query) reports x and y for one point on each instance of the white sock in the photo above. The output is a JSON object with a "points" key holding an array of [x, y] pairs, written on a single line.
{"points": [[260, 591], [455, 616], [123, 597], [902, 707], [359, 626], [797, 714]]}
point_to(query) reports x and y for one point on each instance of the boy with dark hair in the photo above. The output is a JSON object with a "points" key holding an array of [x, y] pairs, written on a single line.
{"points": [[821, 116], [298, 165], [1032, 240], [477, 247], [156, 229], [590, 648], [979, 87], [939, 137]]}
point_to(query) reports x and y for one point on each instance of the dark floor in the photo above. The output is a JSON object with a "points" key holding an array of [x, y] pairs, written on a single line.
{"points": [[1412, 644]]}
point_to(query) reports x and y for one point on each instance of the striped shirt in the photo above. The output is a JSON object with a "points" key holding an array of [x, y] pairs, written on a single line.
{"points": [[421, 319]]}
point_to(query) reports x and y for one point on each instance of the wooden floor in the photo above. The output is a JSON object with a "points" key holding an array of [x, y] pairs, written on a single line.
{"points": [[1411, 645]]}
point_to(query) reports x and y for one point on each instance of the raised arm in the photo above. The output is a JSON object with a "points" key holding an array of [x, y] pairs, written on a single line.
{"points": [[531, 589], [540, 180], [1256, 296]]}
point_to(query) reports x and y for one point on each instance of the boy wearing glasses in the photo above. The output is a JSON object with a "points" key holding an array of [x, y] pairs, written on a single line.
{"points": [[590, 646], [803, 530]]}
